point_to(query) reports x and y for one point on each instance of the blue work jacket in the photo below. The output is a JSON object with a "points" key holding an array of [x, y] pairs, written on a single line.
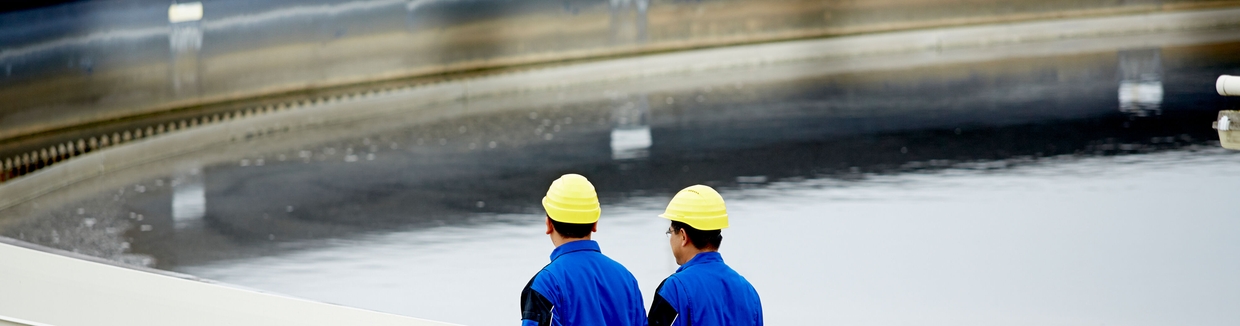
{"points": [[581, 286], [705, 291]]}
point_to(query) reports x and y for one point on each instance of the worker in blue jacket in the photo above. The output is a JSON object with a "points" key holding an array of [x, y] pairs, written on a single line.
{"points": [[580, 286], [704, 290]]}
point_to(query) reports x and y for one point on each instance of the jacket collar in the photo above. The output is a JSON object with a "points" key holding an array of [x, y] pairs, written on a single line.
{"points": [[702, 258], [573, 246]]}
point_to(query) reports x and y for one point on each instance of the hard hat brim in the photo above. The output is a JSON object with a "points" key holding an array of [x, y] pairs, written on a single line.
{"points": [[716, 223], [566, 215]]}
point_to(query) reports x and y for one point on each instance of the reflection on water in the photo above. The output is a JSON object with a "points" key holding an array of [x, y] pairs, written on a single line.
{"points": [[189, 201], [1140, 86], [1002, 192], [630, 137]]}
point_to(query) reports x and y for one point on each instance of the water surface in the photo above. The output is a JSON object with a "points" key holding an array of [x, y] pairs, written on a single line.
{"points": [[1079, 189], [1134, 240]]}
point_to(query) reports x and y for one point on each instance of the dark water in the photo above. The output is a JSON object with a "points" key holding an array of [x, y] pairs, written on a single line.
{"points": [[1081, 189]]}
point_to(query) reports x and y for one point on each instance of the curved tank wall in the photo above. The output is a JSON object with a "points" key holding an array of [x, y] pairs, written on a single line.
{"points": [[76, 64], [290, 210]]}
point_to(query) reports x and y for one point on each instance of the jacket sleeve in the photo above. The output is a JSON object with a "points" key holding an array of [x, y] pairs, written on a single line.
{"points": [[535, 308], [662, 313], [759, 322]]}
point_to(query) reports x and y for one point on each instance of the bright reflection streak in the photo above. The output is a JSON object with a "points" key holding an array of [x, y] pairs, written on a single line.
{"points": [[1140, 87], [630, 143], [189, 200], [630, 134]]}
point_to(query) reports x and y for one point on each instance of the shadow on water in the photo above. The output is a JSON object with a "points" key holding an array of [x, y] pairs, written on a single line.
{"points": [[469, 169]]}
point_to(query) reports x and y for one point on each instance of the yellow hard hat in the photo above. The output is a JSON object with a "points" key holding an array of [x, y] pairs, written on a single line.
{"points": [[698, 206], [571, 199]]}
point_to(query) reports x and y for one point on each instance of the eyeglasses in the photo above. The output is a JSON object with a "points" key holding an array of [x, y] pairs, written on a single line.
{"points": [[669, 232]]}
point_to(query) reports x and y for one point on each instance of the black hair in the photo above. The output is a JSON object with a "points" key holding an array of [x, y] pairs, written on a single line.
{"points": [[701, 238], [571, 230]]}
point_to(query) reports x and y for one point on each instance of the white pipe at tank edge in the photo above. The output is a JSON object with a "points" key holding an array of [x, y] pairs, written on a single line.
{"points": [[1228, 85]]}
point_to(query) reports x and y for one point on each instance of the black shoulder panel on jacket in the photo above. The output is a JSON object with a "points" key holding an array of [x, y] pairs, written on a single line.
{"points": [[534, 306], [661, 312]]}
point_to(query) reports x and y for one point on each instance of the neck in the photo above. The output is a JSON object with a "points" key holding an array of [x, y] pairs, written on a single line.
{"points": [[558, 240], [693, 252]]}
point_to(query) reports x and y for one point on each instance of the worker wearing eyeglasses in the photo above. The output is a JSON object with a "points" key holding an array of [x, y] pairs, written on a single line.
{"points": [[580, 286], [704, 290]]}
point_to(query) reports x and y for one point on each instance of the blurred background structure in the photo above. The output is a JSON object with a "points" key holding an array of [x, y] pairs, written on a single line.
{"points": [[72, 64], [942, 161]]}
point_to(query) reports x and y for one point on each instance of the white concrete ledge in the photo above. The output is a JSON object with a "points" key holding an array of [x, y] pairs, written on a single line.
{"points": [[6, 321], [54, 289]]}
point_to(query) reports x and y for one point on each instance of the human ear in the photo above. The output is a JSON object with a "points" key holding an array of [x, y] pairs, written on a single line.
{"points": [[594, 227], [549, 227]]}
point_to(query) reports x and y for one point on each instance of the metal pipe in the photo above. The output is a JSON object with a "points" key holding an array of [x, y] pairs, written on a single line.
{"points": [[1228, 85]]}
